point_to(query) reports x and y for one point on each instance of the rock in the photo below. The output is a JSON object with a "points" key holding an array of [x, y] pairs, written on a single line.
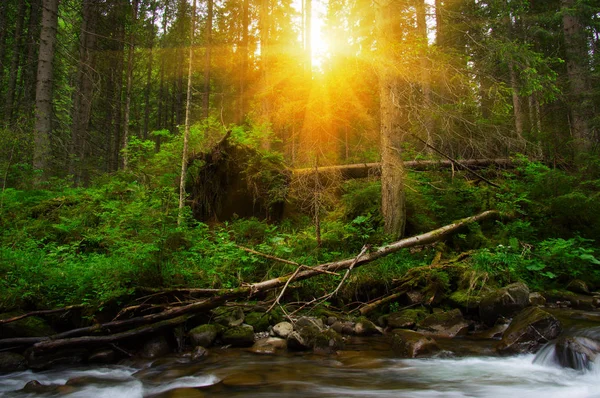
{"points": [[445, 324], [364, 327], [495, 332], [328, 341], [12, 362], [103, 356], [155, 347], [36, 387], [269, 345], [415, 297], [239, 336], [411, 344], [576, 352], [258, 320], [246, 379], [578, 286], [297, 342], [331, 320], [406, 319], [309, 321], [537, 299], [465, 299], [198, 353], [69, 356], [31, 326], [345, 327], [283, 329], [204, 335], [503, 302], [229, 316], [531, 328]]}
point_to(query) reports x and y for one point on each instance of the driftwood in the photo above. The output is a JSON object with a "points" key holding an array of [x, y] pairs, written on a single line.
{"points": [[113, 331], [364, 170]]}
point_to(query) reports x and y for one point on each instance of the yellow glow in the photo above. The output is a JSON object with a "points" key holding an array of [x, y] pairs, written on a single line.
{"points": [[320, 44]]}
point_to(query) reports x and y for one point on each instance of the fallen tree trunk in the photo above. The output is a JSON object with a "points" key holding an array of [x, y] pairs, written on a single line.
{"points": [[364, 170], [112, 331]]}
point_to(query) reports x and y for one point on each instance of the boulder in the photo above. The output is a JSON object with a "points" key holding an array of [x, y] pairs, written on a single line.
{"points": [[31, 326], [309, 321], [528, 330], [258, 320], [444, 324], [465, 299], [102, 356], [578, 286], [204, 335], [303, 338], [577, 352], [536, 299], [156, 346], [269, 345], [283, 329], [406, 319], [411, 344], [364, 327], [229, 316], [69, 356], [328, 341], [343, 327], [239, 336], [503, 302], [11, 362], [198, 353]]}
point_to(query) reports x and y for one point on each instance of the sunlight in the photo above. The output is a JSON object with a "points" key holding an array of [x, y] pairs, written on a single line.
{"points": [[320, 45]]}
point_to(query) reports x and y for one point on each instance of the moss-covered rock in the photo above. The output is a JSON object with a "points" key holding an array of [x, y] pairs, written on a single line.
{"points": [[406, 319], [283, 329], [528, 330], [204, 335], [32, 326], [11, 362], [465, 299], [505, 302], [444, 324], [228, 316], [578, 286], [411, 344], [260, 321], [239, 336], [328, 341], [364, 327]]}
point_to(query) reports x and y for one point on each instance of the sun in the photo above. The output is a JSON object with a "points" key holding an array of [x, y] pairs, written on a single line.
{"points": [[320, 45]]}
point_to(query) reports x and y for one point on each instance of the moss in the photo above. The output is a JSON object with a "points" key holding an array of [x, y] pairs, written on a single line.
{"points": [[258, 320], [465, 298], [32, 326]]}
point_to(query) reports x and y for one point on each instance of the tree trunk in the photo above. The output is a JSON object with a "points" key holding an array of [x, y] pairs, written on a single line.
{"points": [[149, 74], [393, 206], [428, 121], [82, 104], [207, 63], [33, 33], [186, 134], [127, 111], [308, 39], [245, 55], [14, 64], [43, 92], [577, 60]]}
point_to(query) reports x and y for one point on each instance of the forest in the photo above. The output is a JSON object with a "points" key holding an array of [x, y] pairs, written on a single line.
{"points": [[156, 153]]}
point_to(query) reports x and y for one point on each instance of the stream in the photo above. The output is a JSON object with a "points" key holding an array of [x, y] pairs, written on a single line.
{"points": [[367, 368]]}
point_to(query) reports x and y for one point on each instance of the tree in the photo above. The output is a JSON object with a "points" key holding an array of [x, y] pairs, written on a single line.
{"points": [[43, 95], [393, 206]]}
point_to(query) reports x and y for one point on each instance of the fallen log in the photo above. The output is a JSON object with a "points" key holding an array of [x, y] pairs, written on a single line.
{"points": [[364, 170], [113, 331]]}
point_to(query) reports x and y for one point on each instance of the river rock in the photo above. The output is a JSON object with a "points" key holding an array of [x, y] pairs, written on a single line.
{"points": [[258, 320], [269, 345], [364, 327], [11, 362], [229, 316], [69, 356], [32, 326], [283, 329], [36, 387], [343, 327], [444, 324], [102, 356], [503, 302], [465, 299], [577, 352], [528, 330], [537, 299], [204, 335], [198, 353], [411, 344], [578, 286], [239, 336], [309, 321], [406, 319], [155, 347]]}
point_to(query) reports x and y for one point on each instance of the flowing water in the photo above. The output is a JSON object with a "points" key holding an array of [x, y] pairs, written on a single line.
{"points": [[468, 371]]}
